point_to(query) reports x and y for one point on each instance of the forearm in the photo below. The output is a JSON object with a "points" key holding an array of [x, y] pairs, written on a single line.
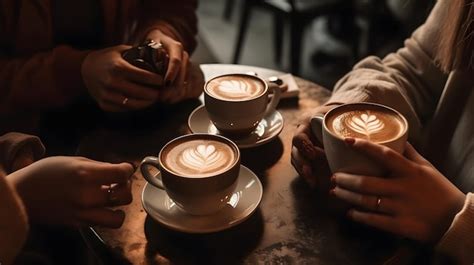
{"points": [[458, 241], [13, 222], [41, 81]]}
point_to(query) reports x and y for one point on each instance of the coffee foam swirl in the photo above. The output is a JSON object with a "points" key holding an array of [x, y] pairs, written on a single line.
{"points": [[375, 125], [199, 157], [202, 158], [366, 124], [235, 87]]}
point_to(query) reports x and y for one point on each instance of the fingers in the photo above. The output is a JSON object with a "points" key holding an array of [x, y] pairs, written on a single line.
{"points": [[413, 155], [106, 173], [303, 167], [102, 217], [136, 91], [381, 154], [138, 75], [175, 52], [380, 221], [303, 143], [179, 89], [368, 202], [364, 184], [123, 103]]}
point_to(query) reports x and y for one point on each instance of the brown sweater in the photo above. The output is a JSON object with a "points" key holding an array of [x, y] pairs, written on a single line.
{"points": [[37, 74]]}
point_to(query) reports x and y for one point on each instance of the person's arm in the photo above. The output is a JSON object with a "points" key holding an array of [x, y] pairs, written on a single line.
{"points": [[177, 19], [408, 80], [16, 151], [39, 81], [458, 241], [13, 222]]}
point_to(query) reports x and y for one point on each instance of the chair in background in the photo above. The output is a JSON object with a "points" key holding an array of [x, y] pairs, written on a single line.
{"points": [[299, 14]]}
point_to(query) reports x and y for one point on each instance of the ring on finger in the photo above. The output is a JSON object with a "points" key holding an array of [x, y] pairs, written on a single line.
{"points": [[378, 203], [112, 197]]}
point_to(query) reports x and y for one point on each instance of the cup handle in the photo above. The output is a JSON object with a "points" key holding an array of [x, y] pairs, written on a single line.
{"points": [[271, 107], [154, 180], [317, 126]]}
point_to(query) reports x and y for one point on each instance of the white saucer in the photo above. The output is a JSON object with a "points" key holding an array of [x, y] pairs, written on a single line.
{"points": [[268, 128], [243, 203]]}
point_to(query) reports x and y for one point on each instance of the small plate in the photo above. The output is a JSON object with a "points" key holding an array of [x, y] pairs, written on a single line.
{"points": [[243, 203], [268, 128]]}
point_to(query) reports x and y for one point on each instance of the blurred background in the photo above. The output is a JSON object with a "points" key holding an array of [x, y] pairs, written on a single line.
{"points": [[319, 40]]}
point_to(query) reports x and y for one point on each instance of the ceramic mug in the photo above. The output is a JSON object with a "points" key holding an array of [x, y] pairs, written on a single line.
{"points": [[198, 172]]}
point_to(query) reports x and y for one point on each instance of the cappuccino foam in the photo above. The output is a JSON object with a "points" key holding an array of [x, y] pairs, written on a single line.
{"points": [[199, 158], [374, 124], [235, 87]]}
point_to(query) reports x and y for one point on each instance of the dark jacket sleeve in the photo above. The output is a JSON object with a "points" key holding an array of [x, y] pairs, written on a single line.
{"points": [[11, 144]]}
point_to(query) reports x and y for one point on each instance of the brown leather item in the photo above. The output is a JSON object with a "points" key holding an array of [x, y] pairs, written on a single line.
{"points": [[150, 56]]}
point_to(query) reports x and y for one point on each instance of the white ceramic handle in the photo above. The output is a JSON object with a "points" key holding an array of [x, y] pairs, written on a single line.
{"points": [[154, 180], [272, 105], [317, 126]]}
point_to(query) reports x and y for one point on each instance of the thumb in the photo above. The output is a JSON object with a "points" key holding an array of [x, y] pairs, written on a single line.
{"points": [[122, 48], [412, 155]]}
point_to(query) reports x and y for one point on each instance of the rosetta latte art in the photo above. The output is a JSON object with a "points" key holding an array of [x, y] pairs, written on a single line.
{"points": [[236, 88], [202, 158], [365, 124]]}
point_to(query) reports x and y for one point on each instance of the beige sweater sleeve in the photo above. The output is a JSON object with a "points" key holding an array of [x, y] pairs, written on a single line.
{"points": [[408, 80], [13, 222], [458, 241]]}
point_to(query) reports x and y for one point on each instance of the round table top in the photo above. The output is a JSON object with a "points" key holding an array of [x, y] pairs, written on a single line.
{"points": [[291, 224]]}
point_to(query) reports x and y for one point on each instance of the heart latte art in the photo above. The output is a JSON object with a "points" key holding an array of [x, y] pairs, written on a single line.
{"points": [[198, 158], [235, 87], [374, 125]]}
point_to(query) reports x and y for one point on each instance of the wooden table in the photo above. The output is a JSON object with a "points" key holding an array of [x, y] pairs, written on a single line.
{"points": [[291, 225]]}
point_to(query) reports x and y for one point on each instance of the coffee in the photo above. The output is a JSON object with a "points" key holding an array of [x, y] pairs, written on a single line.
{"points": [[235, 87], [198, 158], [367, 122]]}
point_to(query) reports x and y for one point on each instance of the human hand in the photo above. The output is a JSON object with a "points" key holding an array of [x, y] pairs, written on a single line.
{"points": [[415, 200], [183, 79], [74, 191], [307, 154], [115, 84]]}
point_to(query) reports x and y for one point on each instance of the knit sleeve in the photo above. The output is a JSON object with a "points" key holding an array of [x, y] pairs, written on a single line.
{"points": [[458, 241], [408, 80]]}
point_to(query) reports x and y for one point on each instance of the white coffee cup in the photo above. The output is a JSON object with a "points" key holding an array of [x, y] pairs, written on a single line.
{"points": [[236, 103], [375, 122], [198, 172]]}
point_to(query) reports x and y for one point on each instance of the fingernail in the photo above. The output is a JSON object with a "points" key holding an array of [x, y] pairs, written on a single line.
{"points": [[333, 178], [349, 141], [332, 192]]}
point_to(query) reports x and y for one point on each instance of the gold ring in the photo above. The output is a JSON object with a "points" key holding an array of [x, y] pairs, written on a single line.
{"points": [[111, 196], [124, 102], [379, 202]]}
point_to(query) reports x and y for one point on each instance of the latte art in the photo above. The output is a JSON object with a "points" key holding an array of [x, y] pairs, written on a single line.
{"points": [[202, 158], [366, 124], [199, 158], [377, 125], [235, 87]]}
